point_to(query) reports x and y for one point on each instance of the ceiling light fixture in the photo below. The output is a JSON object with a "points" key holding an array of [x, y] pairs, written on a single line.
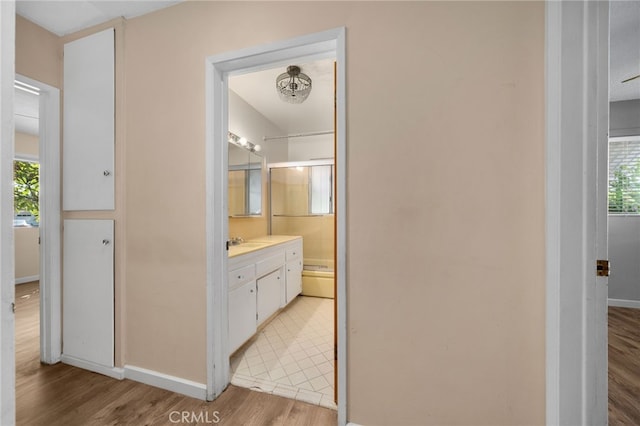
{"points": [[293, 86]]}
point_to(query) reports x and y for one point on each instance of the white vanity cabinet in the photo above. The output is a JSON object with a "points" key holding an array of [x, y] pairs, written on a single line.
{"points": [[242, 306], [242, 314], [293, 272], [264, 276], [269, 292]]}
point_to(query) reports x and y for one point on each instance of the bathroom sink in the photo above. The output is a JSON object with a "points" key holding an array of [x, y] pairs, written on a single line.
{"points": [[251, 245]]}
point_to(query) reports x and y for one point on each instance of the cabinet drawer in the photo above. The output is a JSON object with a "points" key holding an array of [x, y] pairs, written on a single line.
{"points": [[269, 264], [242, 275], [294, 252]]}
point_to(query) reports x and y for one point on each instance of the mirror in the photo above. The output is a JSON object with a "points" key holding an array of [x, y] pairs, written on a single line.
{"points": [[245, 182]]}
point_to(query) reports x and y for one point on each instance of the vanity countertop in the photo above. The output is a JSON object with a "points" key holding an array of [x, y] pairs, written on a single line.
{"points": [[260, 243]]}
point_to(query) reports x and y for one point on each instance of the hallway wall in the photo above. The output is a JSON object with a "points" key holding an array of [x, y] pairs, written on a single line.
{"points": [[445, 191]]}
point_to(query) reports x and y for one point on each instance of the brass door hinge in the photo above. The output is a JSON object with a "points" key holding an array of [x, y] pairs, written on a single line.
{"points": [[602, 268]]}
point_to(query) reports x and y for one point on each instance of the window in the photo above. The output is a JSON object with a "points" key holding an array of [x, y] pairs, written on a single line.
{"points": [[26, 193], [302, 190], [624, 176], [321, 189]]}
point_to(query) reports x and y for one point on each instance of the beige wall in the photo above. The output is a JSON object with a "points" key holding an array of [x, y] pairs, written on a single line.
{"points": [[26, 144], [38, 53], [445, 190], [27, 252]]}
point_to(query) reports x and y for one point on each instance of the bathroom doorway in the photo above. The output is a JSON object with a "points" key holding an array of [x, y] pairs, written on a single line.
{"points": [[220, 70], [281, 186]]}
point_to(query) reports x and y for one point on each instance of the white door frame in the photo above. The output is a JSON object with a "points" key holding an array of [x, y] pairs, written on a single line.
{"points": [[7, 276], [217, 68], [576, 146], [50, 221]]}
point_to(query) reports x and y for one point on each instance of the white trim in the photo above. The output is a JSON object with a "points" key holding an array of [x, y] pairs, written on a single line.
{"points": [[623, 303], [113, 372], [28, 158], [575, 64], [50, 222], [341, 221], [635, 138], [330, 43], [7, 274], [165, 381], [29, 279]]}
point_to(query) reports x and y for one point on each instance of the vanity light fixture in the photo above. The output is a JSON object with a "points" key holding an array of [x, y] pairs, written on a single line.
{"points": [[293, 86], [243, 142]]}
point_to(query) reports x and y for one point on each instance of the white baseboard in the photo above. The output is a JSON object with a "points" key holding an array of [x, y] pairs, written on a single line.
{"points": [[353, 424], [622, 303], [27, 279], [114, 372], [164, 381]]}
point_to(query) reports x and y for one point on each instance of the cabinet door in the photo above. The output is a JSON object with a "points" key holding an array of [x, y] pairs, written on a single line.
{"points": [[269, 295], [87, 307], [89, 100], [294, 279], [242, 314]]}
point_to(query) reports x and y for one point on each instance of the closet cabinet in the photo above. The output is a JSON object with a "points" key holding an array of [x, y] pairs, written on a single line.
{"points": [[87, 306], [89, 124]]}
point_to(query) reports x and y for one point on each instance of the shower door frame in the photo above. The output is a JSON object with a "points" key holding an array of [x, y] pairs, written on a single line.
{"points": [[305, 163]]}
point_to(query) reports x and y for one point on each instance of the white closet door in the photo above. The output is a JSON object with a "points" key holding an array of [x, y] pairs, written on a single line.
{"points": [[88, 318], [89, 120]]}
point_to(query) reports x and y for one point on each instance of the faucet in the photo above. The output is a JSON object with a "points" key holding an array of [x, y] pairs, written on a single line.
{"points": [[236, 240]]}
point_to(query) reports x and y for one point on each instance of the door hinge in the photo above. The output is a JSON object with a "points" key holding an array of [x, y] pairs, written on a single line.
{"points": [[13, 307], [602, 268]]}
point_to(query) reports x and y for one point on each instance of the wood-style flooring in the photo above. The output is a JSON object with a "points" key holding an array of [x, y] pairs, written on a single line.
{"points": [[64, 395], [624, 366]]}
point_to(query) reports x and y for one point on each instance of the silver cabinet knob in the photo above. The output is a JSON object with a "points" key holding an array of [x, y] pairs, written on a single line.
{"points": [[106, 173], [106, 242]]}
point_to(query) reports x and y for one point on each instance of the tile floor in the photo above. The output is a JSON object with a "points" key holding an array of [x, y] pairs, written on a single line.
{"points": [[293, 355]]}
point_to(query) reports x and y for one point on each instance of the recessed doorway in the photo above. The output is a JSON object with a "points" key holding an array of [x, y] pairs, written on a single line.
{"points": [[329, 44]]}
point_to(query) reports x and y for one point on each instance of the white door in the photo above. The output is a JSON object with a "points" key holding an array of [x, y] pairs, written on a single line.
{"points": [[88, 318], [596, 330], [89, 120], [576, 202], [7, 295]]}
